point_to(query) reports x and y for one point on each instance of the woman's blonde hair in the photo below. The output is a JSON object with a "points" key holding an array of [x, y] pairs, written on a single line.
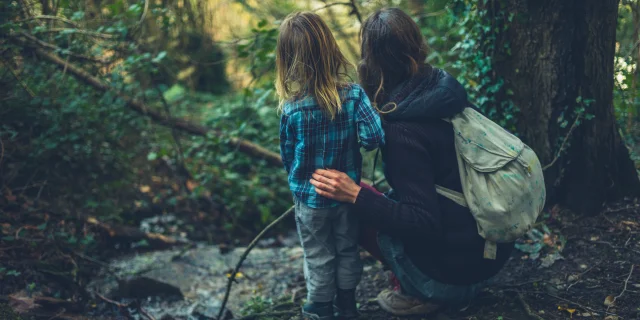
{"points": [[309, 62]]}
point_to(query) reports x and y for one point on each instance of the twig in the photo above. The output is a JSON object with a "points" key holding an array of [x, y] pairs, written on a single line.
{"points": [[145, 313], [143, 16], [244, 256], [527, 308], [67, 21], [580, 276], [85, 257], [116, 303], [616, 247], [80, 31], [564, 142], [58, 314], [267, 314], [333, 4], [176, 138], [625, 244], [577, 304], [623, 289], [355, 11], [17, 77]]}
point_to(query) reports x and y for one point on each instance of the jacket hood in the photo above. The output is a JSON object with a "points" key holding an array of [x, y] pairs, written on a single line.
{"points": [[434, 94]]}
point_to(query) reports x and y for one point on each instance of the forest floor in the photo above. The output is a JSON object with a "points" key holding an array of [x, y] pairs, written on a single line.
{"points": [[597, 278], [584, 268]]}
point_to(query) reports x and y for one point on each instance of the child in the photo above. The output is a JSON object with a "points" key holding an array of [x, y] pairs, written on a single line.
{"points": [[324, 121]]}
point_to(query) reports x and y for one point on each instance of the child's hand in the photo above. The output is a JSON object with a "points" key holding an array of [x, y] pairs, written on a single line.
{"points": [[335, 185]]}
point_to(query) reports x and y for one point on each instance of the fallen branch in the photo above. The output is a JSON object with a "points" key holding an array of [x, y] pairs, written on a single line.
{"points": [[247, 147], [527, 308], [253, 243]]}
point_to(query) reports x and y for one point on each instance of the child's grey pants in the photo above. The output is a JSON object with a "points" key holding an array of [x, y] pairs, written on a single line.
{"points": [[329, 239]]}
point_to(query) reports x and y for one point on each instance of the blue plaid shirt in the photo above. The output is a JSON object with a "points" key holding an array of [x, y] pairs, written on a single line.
{"points": [[310, 140]]}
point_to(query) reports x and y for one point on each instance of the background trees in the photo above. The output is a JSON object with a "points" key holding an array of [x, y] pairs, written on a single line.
{"points": [[133, 109]]}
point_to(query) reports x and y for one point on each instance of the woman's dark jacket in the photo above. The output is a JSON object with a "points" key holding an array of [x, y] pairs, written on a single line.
{"points": [[440, 236]]}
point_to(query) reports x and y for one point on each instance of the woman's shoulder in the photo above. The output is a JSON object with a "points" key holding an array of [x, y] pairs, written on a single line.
{"points": [[429, 133]]}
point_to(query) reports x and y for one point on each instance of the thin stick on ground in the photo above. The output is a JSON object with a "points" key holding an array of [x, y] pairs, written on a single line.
{"points": [[579, 305], [253, 243], [527, 308], [624, 289]]}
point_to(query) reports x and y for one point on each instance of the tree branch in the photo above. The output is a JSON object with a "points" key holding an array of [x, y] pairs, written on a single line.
{"points": [[247, 147], [80, 31], [328, 5], [47, 45], [67, 21]]}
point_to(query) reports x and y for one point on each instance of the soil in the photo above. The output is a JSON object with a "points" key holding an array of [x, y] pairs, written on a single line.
{"points": [[601, 262]]}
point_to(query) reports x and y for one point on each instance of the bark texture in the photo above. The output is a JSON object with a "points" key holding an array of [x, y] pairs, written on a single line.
{"points": [[562, 50]]}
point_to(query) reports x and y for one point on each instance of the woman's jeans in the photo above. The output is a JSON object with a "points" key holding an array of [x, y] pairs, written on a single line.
{"points": [[413, 281], [329, 239], [416, 284]]}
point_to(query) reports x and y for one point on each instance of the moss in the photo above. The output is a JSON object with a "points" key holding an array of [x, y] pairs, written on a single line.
{"points": [[6, 313]]}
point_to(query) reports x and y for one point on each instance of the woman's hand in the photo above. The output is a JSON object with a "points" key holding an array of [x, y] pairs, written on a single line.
{"points": [[335, 185]]}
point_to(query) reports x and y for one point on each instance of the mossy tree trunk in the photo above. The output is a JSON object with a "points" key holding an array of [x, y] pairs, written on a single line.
{"points": [[561, 61]]}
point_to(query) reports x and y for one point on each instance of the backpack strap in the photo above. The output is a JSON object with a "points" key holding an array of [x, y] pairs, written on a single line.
{"points": [[454, 196]]}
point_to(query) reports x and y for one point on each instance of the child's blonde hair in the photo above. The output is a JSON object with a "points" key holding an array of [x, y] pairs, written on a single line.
{"points": [[309, 62]]}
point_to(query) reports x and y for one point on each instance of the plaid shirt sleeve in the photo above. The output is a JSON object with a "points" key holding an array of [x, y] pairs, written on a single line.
{"points": [[369, 126], [287, 144]]}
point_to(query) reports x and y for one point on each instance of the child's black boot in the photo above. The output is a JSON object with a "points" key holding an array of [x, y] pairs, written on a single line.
{"points": [[317, 311], [345, 305]]}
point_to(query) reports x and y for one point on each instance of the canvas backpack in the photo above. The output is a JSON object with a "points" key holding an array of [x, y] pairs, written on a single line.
{"points": [[502, 181]]}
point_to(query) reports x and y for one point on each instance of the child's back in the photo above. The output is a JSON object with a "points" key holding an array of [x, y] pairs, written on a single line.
{"points": [[324, 122], [311, 140]]}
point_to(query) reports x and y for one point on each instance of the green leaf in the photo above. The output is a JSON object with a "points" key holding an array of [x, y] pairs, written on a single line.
{"points": [[160, 56], [13, 273], [262, 23], [152, 156], [42, 226]]}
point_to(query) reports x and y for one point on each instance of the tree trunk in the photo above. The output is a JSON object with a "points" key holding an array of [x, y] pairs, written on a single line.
{"points": [[562, 54]]}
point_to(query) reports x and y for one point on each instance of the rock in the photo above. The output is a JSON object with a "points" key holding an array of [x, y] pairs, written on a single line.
{"points": [[144, 287], [195, 280]]}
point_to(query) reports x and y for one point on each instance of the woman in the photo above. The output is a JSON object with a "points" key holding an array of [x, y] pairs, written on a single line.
{"points": [[430, 243]]}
